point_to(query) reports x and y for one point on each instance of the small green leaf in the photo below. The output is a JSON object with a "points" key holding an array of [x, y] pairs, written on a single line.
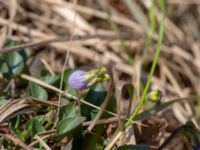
{"points": [[50, 79], [2, 100], [19, 134], [14, 62], [133, 147], [27, 128], [154, 95], [3, 66], [37, 91], [68, 126], [40, 118], [93, 113], [67, 111], [36, 127]]}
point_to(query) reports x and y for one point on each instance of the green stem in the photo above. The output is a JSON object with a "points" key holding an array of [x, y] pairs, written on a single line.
{"points": [[151, 28], [155, 59]]}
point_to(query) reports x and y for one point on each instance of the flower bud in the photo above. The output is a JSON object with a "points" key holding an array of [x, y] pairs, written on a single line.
{"points": [[77, 80], [80, 79]]}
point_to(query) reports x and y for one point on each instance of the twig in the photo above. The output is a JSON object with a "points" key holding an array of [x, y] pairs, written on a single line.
{"points": [[103, 106], [113, 141], [66, 59], [47, 67], [104, 121], [42, 138], [42, 142]]}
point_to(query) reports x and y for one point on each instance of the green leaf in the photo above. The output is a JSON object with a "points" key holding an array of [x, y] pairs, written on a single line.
{"points": [[96, 96], [14, 62], [25, 53], [27, 128], [40, 118], [133, 147], [67, 111], [10, 43], [50, 79], [2, 100], [15, 125], [68, 126], [3, 66], [67, 73], [155, 109], [37, 91], [36, 127], [154, 95], [19, 134], [147, 113], [15, 122], [70, 90]]}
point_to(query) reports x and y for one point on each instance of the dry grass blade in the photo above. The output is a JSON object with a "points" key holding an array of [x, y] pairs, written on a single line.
{"points": [[48, 67], [114, 140], [100, 14], [46, 41], [69, 15], [15, 140], [21, 106], [10, 108], [104, 121], [42, 142]]}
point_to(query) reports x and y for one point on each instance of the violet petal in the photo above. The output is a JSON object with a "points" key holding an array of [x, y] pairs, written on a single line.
{"points": [[76, 80]]}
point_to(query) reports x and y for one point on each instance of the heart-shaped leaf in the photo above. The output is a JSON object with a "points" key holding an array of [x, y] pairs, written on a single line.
{"points": [[96, 96], [37, 91], [50, 79], [67, 111], [68, 126], [14, 63], [36, 127]]}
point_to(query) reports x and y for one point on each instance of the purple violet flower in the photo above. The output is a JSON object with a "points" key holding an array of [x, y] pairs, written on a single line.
{"points": [[80, 79], [77, 80]]}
